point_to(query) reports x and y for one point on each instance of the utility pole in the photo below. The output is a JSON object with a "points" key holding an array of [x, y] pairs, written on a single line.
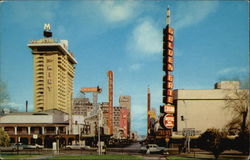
{"points": [[187, 142], [148, 118], [99, 130], [26, 106]]}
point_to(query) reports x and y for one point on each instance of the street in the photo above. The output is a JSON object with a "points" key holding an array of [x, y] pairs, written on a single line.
{"points": [[133, 150]]}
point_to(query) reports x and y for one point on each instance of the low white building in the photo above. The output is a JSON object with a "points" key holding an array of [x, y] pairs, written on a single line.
{"points": [[203, 109], [47, 126]]}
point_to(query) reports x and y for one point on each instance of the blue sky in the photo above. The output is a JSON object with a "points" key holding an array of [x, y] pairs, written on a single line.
{"points": [[211, 44]]}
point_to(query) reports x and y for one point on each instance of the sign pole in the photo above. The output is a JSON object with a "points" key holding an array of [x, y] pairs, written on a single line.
{"points": [[188, 144]]}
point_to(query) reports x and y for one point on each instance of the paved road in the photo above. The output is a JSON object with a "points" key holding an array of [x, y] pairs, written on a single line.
{"points": [[134, 150]]}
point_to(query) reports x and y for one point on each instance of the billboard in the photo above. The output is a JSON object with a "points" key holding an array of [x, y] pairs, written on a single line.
{"points": [[97, 89]]}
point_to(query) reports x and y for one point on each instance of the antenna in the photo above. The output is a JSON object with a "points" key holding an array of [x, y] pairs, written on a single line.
{"points": [[168, 16]]}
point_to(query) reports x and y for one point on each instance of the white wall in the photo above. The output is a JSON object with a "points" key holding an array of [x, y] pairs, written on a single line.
{"points": [[202, 109], [202, 114]]}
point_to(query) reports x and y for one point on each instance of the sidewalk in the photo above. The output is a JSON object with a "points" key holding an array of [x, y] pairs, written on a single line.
{"points": [[227, 155]]}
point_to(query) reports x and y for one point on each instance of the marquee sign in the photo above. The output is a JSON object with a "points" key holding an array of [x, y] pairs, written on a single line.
{"points": [[168, 109]]}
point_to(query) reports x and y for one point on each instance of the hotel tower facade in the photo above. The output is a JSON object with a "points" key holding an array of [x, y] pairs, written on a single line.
{"points": [[53, 66]]}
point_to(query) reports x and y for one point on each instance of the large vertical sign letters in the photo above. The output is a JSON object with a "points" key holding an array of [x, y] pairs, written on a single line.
{"points": [[168, 108]]}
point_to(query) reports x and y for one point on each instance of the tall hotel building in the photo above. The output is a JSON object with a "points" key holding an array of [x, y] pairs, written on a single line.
{"points": [[53, 74]]}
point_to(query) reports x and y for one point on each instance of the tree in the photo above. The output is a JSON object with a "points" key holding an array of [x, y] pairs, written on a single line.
{"points": [[238, 103], [5, 105], [4, 138], [3, 93], [4, 97], [241, 143], [214, 141]]}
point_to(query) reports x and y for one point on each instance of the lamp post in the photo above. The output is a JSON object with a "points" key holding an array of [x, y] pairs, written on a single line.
{"points": [[99, 129], [187, 142]]}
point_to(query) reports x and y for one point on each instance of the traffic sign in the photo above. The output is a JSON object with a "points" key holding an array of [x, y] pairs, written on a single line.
{"points": [[35, 136], [188, 132]]}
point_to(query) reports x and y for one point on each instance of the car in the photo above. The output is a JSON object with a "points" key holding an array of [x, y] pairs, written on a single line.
{"points": [[78, 146], [74, 146], [153, 148], [29, 146], [12, 147]]}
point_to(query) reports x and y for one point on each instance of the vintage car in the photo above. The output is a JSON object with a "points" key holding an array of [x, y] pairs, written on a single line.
{"points": [[35, 146], [12, 147], [153, 148]]}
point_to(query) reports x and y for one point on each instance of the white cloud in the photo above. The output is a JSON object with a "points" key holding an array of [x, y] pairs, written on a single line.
{"points": [[98, 17], [226, 71], [118, 11], [193, 12], [146, 39]]}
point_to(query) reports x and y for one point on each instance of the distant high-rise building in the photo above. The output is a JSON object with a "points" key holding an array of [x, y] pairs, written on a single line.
{"points": [[82, 106], [54, 68], [124, 121], [120, 122], [125, 102]]}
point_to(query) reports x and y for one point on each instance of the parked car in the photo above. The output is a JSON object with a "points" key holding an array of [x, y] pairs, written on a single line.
{"points": [[29, 146], [153, 148], [88, 148], [12, 147], [74, 146], [78, 146]]}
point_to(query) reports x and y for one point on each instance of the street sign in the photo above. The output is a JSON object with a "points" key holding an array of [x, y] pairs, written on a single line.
{"points": [[168, 121], [35, 136], [188, 132]]}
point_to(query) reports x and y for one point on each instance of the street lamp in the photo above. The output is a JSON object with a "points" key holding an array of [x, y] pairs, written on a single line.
{"points": [[187, 142], [99, 129]]}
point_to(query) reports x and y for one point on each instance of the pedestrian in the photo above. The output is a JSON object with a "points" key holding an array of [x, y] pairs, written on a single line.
{"points": [[184, 149], [105, 149], [180, 148], [148, 151]]}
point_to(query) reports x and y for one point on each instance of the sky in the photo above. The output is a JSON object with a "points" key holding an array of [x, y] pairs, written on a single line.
{"points": [[211, 43]]}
